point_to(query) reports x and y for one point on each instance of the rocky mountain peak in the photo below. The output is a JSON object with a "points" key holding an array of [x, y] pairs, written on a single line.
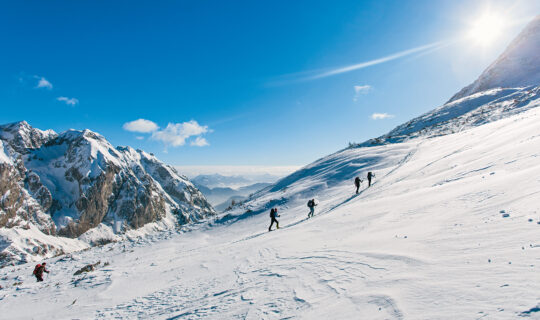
{"points": [[71, 183], [21, 136]]}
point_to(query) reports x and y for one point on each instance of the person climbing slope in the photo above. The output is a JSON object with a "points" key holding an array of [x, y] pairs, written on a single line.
{"points": [[357, 182], [38, 271], [311, 205], [369, 176], [273, 215]]}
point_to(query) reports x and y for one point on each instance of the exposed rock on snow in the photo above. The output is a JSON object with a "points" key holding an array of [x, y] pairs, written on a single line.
{"points": [[70, 183], [21, 136], [424, 241], [87, 268]]}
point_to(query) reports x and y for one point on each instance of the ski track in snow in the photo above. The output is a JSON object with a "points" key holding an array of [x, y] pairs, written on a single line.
{"points": [[427, 240]]}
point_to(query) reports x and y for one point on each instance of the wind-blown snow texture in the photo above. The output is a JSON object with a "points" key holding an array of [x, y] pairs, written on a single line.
{"points": [[448, 230], [427, 241]]}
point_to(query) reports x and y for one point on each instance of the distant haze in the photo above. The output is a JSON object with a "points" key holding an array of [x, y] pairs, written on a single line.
{"points": [[245, 171]]}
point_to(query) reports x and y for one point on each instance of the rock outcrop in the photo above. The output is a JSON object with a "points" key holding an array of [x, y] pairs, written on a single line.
{"points": [[66, 184]]}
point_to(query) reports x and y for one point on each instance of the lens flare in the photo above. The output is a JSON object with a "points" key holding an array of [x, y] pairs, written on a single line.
{"points": [[486, 29]]}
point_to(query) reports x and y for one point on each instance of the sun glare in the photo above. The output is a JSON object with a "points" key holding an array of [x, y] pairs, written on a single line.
{"points": [[486, 29]]}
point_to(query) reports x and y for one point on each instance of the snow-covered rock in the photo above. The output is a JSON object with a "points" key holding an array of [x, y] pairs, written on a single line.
{"points": [[4, 158], [67, 184], [426, 241], [21, 136]]}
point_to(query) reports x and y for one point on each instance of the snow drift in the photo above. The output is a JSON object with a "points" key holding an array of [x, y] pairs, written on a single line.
{"points": [[448, 230]]}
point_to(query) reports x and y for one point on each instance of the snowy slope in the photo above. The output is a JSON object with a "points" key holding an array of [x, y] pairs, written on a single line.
{"points": [[462, 114], [504, 88], [343, 166], [429, 240], [4, 157], [518, 66], [448, 230]]}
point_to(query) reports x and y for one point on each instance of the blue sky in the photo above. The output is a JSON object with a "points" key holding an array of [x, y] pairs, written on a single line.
{"points": [[240, 82]]}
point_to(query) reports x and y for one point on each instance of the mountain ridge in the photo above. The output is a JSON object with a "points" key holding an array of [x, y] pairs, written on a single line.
{"points": [[459, 114], [517, 66], [69, 183]]}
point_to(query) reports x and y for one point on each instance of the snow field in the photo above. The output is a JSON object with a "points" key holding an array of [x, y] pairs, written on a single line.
{"points": [[428, 240]]}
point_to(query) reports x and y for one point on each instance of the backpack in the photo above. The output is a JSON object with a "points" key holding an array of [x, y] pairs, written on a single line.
{"points": [[272, 213], [36, 269], [310, 203]]}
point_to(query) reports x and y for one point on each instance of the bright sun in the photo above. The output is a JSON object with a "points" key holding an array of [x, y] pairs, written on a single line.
{"points": [[485, 29]]}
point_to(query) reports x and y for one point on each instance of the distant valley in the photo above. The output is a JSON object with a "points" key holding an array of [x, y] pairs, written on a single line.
{"points": [[221, 190]]}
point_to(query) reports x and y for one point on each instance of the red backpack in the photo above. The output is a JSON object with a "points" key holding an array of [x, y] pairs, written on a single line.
{"points": [[36, 269]]}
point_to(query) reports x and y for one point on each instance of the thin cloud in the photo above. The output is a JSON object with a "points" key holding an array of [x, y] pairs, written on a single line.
{"points": [[229, 119], [359, 90], [140, 125], [318, 74], [380, 116], [43, 83], [69, 101], [176, 134], [200, 142]]}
